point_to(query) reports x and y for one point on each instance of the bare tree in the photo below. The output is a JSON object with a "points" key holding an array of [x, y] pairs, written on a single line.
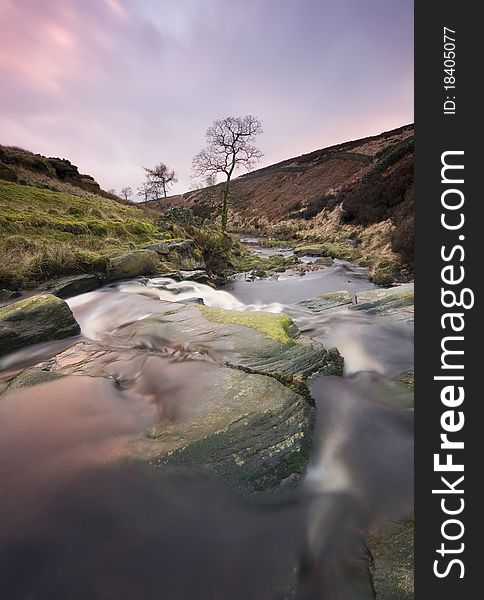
{"points": [[112, 191], [146, 190], [160, 178], [126, 192], [230, 145]]}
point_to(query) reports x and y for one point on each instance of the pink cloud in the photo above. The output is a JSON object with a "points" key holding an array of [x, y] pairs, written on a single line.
{"points": [[114, 85]]}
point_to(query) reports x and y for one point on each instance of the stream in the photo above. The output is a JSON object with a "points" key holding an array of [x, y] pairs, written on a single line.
{"points": [[84, 516]]}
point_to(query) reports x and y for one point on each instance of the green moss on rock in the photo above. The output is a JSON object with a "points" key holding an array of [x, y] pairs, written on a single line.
{"points": [[33, 320], [278, 327]]}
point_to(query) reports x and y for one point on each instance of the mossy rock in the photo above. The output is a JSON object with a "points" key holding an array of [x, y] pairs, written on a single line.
{"points": [[124, 265], [33, 320], [255, 435], [31, 377], [278, 327], [396, 302], [260, 342], [393, 561], [249, 429], [327, 301], [310, 250]]}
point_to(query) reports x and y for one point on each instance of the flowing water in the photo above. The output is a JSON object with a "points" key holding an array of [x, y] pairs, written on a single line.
{"points": [[81, 517]]}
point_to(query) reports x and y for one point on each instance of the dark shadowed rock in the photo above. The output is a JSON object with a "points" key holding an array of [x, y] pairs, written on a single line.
{"points": [[72, 286], [198, 275], [6, 295], [33, 320], [257, 341], [393, 556]]}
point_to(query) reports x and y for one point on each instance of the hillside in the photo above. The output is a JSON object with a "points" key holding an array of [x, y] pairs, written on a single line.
{"points": [[357, 197], [21, 166], [55, 222]]}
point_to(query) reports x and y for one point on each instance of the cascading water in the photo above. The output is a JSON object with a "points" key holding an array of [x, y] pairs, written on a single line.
{"points": [[360, 472]]}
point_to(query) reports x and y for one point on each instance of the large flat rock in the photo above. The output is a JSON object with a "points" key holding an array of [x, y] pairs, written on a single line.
{"points": [[261, 342], [249, 429]]}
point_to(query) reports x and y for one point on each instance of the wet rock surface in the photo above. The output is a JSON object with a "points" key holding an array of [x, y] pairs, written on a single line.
{"points": [[392, 550], [33, 320], [245, 413], [396, 303], [72, 286]]}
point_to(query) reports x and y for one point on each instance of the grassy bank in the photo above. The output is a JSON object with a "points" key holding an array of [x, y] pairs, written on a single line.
{"points": [[47, 234]]}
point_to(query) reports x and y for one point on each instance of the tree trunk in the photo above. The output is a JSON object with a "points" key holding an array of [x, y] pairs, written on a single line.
{"points": [[225, 205]]}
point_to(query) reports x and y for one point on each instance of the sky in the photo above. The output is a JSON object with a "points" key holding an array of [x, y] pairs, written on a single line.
{"points": [[116, 85]]}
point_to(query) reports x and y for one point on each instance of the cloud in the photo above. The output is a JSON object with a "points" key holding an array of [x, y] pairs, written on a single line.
{"points": [[115, 85]]}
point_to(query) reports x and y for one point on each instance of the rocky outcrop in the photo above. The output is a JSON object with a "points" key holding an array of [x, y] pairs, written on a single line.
{"points": [[124, 265], [33, 320], [396, 302]]}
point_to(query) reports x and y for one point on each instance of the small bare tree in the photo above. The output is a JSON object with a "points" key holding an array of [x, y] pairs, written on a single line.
{"points": [[160, 179], [146, 190], [126, 192], [230, 145]]}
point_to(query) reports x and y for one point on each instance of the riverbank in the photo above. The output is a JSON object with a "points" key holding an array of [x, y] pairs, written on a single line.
{"points": [[50, 234]]}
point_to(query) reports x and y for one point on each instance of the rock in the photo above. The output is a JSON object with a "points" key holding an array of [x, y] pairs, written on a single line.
{"points": [[6, 295], [247, 428], [181, 254], [167, 247], [404, 292], [31, 377], [396, 302], [327, 301], [159, 247], [72, 286], [326, 261], [234, 404], [33, 320], [124, 265], [257, 341], [255, 432], [198, 275], [310, 250], [393, 561]]}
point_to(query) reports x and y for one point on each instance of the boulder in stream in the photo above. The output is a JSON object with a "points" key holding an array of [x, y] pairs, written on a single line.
{"points": [[310, 250], [327, 301], [74, 285], [33, 320], [259, 342], [132, 263]]}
